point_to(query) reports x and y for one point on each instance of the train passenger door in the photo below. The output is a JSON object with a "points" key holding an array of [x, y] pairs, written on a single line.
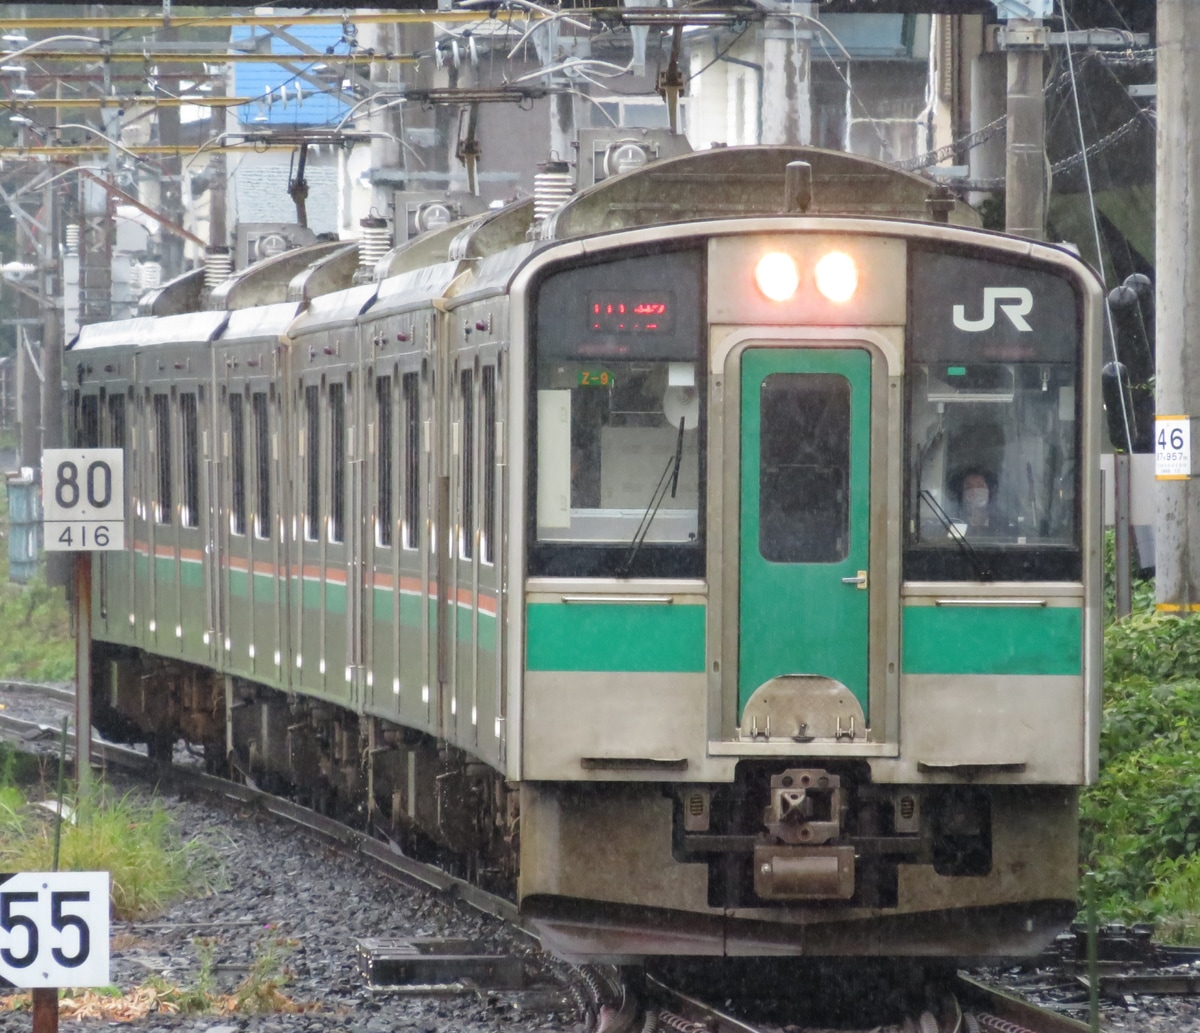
{"points": [[805, 517]]}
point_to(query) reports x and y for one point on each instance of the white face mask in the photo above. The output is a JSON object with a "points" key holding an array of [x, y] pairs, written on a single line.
{"points": [[976, 498]]}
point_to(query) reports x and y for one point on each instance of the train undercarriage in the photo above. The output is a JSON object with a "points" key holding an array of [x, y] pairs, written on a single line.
{"points": [[428, 797]]}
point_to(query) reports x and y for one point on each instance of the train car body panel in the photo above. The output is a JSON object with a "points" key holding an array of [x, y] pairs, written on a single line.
{"points": [[101, 401], [401, 565], [252, 471], [172, 525], [326, 577]]}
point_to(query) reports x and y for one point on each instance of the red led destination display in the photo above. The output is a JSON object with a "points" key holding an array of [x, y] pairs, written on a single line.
{"points": [[630, 312]]}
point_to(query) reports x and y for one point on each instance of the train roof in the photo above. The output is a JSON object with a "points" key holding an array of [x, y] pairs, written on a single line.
{"points": [[270, 321], [341, 308], [266, 281], [148, 331], [415, 287], [727, 182]]}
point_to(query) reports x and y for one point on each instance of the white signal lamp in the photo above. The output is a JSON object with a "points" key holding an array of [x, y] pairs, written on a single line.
{"points": [[777, 276], [837, 276]]}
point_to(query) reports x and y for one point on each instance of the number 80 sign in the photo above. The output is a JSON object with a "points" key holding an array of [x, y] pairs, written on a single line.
{"points": [[83, 499]]}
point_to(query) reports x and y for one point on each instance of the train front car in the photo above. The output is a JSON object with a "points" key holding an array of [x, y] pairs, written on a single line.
{"points": [[808, 514]]}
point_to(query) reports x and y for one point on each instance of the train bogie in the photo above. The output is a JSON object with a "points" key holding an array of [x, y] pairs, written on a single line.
{"points": [[720, 580]]}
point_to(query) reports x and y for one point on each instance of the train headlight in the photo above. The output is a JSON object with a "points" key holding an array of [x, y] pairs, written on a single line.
{"points": [[777, 276], [837, 276]]}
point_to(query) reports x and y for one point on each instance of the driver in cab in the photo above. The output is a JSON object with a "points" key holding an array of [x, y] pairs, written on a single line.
{"points": [[979, 513]]}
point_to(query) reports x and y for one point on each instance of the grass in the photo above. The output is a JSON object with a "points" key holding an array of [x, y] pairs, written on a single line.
{"points": [[150, 865], [261, 992], [136, 841]]}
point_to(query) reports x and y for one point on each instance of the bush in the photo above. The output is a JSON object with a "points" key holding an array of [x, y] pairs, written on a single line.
{"points": [[1141, 821]]}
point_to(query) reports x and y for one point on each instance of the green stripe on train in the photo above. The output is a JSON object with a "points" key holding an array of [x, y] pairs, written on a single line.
{"points": [[611, 637], [992, 640], [310, 595]]}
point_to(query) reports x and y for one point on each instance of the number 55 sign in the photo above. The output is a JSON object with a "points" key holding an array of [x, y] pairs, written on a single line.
{"points": [[54, 929], [83, 499]]}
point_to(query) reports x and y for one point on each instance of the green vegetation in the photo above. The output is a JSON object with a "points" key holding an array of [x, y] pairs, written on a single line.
{"points": [[259, 993], [1141, 821], [135, 841], [36, 642]]}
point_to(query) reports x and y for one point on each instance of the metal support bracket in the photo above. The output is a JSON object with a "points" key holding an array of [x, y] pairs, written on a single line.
{"points": [[1025, 36]]}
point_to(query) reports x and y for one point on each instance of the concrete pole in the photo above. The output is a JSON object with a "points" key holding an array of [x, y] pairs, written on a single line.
{"points": [[58, 564], [1177, 295], [29, 404], [1025, 165], [988, 103], [787, 79]]}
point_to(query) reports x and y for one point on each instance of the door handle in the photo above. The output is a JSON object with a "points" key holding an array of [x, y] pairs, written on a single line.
{"points": [[860, 580]]}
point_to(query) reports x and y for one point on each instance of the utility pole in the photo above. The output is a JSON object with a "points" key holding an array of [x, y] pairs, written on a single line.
{"points": [[787, 78], [52, 336], [1025, 39], [1177, 295]]}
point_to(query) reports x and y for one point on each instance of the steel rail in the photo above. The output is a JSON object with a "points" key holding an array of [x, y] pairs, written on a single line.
{"points": [[987, 1001], [692, 1010]]}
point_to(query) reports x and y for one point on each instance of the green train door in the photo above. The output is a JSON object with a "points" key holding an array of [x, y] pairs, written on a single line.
{"points": [[805, 517]]}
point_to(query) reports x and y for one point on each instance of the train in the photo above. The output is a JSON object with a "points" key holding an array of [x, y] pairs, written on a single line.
{"points": [[709, 559]]}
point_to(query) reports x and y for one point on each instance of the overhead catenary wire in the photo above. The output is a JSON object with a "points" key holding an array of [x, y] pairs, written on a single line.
{"points": [[1087, 175]]}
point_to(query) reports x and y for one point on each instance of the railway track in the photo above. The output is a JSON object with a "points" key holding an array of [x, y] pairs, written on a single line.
{"points": [[608, 1000]]}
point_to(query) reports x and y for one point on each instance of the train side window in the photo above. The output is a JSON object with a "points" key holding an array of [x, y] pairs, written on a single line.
{"points": [[89, 421], [190, 448], [337, 462], [312, 443], [384, 461], [162, 441], [411, 391], [804, 468], [116, 421], [466, 534], [237, 464], [487, 538], [262, 463]]}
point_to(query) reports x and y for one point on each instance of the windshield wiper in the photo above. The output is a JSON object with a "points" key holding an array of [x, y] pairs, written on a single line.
{"points": [[656, 501], [982, 570]]}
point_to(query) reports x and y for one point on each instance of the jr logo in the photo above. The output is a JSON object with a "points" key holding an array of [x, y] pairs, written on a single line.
{"points": [[1018, 305]]}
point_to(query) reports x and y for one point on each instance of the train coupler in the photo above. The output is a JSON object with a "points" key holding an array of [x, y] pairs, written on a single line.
{"points": [[804, 873]]}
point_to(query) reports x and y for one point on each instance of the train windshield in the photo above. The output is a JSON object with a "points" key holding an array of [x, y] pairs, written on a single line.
{"points": [[618, 405], [993, 443]]}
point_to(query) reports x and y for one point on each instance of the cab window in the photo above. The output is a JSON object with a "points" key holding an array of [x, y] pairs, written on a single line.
{"points": [[617, 457], [993, 476]]}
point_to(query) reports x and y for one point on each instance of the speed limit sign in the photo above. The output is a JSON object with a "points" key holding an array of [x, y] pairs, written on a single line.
{"points": [[83, 499], [54, 929]]}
